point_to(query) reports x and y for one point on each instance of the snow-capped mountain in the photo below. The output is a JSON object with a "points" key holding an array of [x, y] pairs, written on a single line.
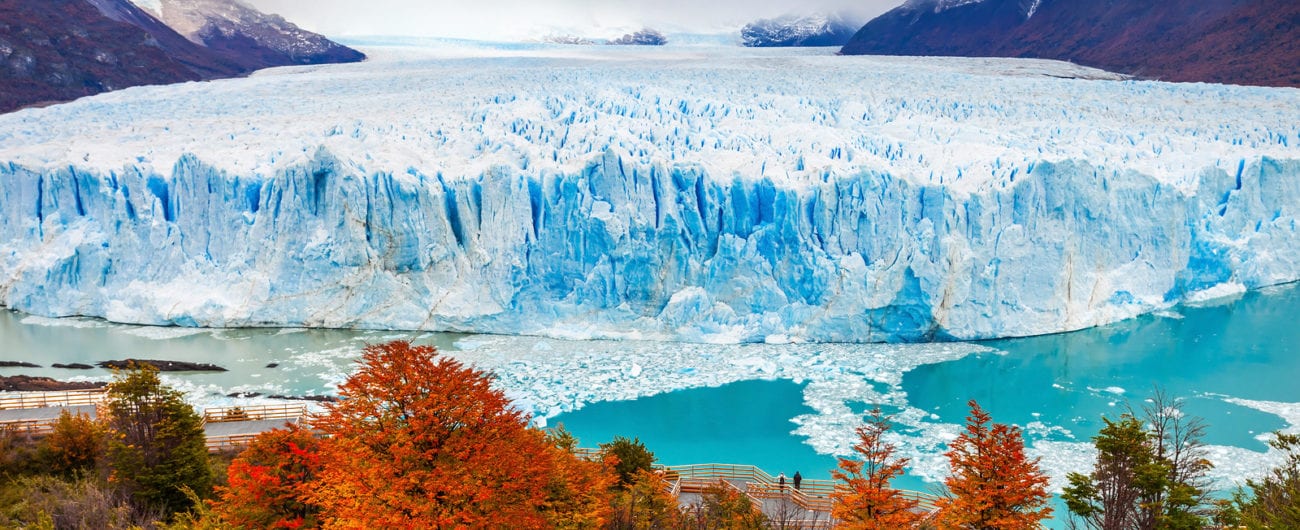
{"points": [[703, 194], [1231, 41], [793, 30], [253, 38], [572, 40], [644, 37], [57, 50]]}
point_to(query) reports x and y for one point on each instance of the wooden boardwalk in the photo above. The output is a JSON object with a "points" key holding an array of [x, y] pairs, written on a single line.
{"points": [[234, 427], [35, 413], [808, 506]]}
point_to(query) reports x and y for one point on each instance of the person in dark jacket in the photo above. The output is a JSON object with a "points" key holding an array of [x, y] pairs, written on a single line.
{"points": [[798, 479]]}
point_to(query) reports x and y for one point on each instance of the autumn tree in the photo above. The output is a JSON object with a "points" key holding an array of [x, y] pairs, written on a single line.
{"points": [[579, 493], [867, 501], [630, 458], [646, 503], [562, 438], [1150, 472], [993, 484], [74, 447], [156, 445], [722, 506], [270, 481], [420, 440]]}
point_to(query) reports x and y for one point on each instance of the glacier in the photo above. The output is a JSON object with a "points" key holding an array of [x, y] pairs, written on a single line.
{"points": [[699, 194]]}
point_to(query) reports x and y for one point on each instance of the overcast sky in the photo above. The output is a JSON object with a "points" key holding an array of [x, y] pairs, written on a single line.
{"points": [[516, 19]]}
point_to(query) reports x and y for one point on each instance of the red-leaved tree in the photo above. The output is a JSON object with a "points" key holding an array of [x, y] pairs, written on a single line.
{"points": [[269, 482], [867, 501], [993, 484], [421, 441]]}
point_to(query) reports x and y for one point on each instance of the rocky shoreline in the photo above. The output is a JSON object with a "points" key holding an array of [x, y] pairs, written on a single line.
{"points": [[26, 383], [162, 366]]}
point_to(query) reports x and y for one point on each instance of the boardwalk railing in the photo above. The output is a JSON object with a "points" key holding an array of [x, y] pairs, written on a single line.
{"points": [[37, 400], [289, 412], [286, 411], [586, 453], [231, 441], [45, 400], [30, 427], [812, 494]]}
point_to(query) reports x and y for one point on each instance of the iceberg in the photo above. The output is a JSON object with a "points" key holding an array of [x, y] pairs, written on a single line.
{"points": [[688, 194]]}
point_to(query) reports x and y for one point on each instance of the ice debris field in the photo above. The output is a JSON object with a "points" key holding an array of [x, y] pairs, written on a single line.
{"points": [[697, 194], [547, 377]]}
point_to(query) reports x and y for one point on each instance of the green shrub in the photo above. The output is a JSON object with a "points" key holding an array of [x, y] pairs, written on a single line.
{"points": [[47, 501], [1274, 501], [632, 457], [156, 443], [18, 452]]}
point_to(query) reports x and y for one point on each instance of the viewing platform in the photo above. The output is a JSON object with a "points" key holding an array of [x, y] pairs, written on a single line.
{"points": [[36, 412], [808, 506], [234, 427]]}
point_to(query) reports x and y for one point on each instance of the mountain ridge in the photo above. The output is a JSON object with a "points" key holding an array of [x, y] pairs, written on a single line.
{"points": [[59, 50], [1252, 42], [794, 30]]}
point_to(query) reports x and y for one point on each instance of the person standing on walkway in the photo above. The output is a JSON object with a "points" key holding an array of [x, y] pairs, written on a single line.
{"points": [[781, 480], [798, 479]]}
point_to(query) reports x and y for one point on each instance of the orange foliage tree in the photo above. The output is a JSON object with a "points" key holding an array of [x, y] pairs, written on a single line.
{"points": [[868, 502], [421, 441], [269, 482], [646, 503], [993, 484], [578, 495], [76, 445], [722, 505]]}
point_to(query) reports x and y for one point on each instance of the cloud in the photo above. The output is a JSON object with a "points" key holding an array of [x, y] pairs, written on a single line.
{"points": [[521, 19]]}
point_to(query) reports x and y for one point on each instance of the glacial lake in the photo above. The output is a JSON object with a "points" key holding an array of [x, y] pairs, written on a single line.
{"points": [[782, 407]]}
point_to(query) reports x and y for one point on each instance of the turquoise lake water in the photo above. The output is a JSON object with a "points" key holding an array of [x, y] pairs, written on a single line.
{"points": [[1244, 348], [1236, 362]]}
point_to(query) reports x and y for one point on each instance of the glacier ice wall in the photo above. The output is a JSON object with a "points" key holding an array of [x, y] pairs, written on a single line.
{"points": [[620, 249], [621, 240]]}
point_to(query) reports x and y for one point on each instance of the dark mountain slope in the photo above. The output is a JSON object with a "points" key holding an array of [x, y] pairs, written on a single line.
{"points": [[59, 50], [56, 50], [180, 49], [1231, 41]]}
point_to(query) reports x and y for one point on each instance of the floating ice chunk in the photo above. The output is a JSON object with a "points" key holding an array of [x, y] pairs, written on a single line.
{"points": [[163, 333], [1289, 412], [1219, 294], [80, 323]]}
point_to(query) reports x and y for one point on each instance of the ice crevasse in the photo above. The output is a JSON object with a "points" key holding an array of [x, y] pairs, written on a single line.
{"points": [[720, 196]]}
